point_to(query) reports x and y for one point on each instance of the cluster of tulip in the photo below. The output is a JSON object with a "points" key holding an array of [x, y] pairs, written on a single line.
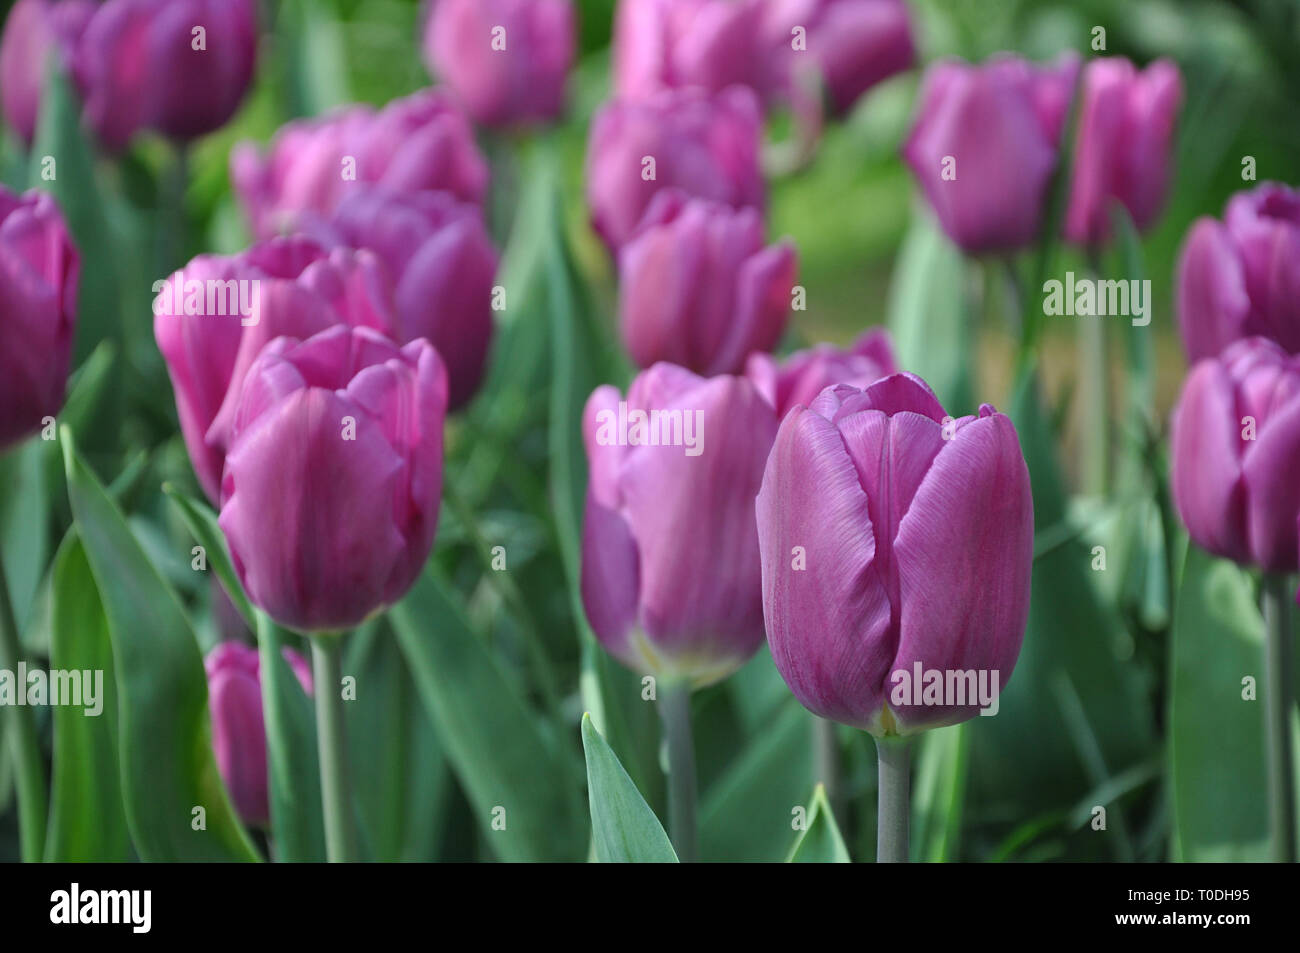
{"points": [[828, 505]]}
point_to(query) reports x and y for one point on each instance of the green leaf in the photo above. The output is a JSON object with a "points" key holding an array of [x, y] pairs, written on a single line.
{"points": [[60, 138], [938, 799], [820, 841], [164, 736], [24, 525], [400, 777], [492, 738], [1218, 772], [927, 303], [202, 524], [746, 813], [623, 828], [87, 818], [293, 765]]}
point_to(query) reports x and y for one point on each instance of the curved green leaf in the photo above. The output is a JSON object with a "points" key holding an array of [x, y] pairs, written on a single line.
{"points": [[164, 736], [202, 523], [512, 771], [623, 828], [87, 819]]}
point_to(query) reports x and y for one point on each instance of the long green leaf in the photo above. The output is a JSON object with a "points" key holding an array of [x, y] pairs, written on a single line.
{"points": [[400, 777], [938, 802], [87, 818], [523, 792], [164, 735], [1217, 760], [624, 829], [293, 766], [820, 841]]}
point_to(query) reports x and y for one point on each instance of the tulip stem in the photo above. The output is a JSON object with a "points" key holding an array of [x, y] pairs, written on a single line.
{"points": [[894, 759], [28, 765], [1095, 442], [331, 734], [1278, 699], [675, 710]]}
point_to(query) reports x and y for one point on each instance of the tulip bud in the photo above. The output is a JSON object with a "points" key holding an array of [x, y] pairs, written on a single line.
{"points": [[443, 264], [707, 146], [353, 425], [984, 145], [506, 60], [212, 318], [420, 142], [676, 44], [895, 540], [1122, 146], [803, 375], [1235, 452], [39, 267], [670, 573], [34, 30], [180, 67], [698, 288], [850, 44], [1242, 277], [238, 729]]}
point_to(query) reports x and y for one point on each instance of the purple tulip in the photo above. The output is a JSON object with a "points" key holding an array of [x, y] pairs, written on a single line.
{"points": [[506, 60], [289, 286], [1242, 277], [443, 264], [850, 44], [180, 67], [39, 267], [707, 146], [698, 288], [331, 487], [1235, 452], [34, 30], [670, 573], [238, 731], [1123, 145], [798, 379], [893, 539], [675, 44], [984, 145], [420, 142]]}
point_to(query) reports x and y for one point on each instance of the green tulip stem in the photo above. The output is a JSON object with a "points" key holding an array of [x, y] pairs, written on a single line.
{"points": [[675, 711], [28, 765], [1095, 442], [1278, 699], [893, 757], [331, 732]]}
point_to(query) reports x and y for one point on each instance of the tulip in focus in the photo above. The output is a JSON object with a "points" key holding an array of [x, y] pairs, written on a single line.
{"points": [[443, 265], [677, 44], [1235, 453], [893, 538], [39, 267], [506, 60], [1241, 277], [851, 45], [670, 572], [35, 30], [799, 378], [238, 729], [697, 287], [330, 494], [290, 286], [1123, 145], [420, 142], [984, 145], [707, 146]]}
